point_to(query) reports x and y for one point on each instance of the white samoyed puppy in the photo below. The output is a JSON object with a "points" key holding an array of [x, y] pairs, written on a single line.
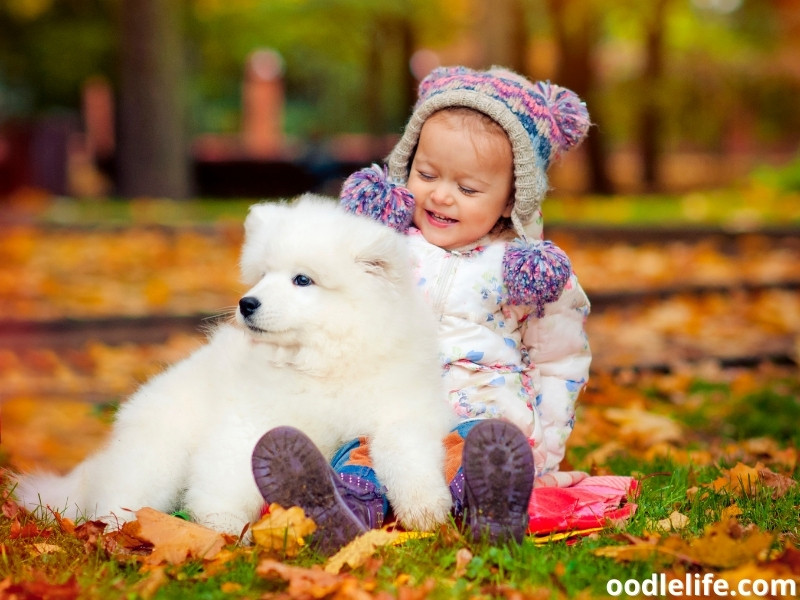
{"points": [[332, 338]]}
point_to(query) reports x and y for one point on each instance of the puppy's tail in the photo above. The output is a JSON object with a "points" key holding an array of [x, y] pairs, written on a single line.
{"points": [[43, 493]]}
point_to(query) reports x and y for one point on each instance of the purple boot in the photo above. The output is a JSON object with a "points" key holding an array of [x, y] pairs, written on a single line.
{"points": [[291, 471], [498, 479]]}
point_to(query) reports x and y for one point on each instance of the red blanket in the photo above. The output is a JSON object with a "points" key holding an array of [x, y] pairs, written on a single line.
{"points": [[572, 501]]}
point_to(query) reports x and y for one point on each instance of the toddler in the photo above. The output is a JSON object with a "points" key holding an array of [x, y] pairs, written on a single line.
{"points": [[465, 183]]}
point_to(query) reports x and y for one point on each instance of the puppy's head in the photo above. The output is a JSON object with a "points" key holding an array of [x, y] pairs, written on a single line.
{"points": [[322, 281]]}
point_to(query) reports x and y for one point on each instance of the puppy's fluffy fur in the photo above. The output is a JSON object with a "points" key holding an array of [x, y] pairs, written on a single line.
{"points": [[340, 345]]}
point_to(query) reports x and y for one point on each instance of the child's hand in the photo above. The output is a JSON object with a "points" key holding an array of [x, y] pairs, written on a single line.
{"points": [[370, 192]]}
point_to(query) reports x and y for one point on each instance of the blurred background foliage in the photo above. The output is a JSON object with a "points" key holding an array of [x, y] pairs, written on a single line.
{"points": [[662, 78]]}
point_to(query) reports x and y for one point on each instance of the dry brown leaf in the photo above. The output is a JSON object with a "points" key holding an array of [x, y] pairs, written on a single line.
{"points": [[174, 540], [43, 548], [675, 522], [360, 549], [90, 533], [40, 587], [121, 544], [463, 558], [313, 582], [156, 577], [744, 480], [10, 509], [221, 562], [664, 551], [283, 529], [779, 484]]}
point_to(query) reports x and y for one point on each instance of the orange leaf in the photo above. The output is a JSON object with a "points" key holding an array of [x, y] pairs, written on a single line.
{"points": [[66, 525], [726, 545], [663, 551], [174, 540], [739, 479], [744, 480], [313, 582], [41, 588], [28, 530]]}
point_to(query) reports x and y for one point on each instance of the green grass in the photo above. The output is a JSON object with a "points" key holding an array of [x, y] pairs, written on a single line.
{"points": [[429, 565], [569, 567]]}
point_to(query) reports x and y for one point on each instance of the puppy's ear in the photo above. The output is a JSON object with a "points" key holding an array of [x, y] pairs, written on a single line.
{"points": [[260, 217], [385, 256], [262, 222]]}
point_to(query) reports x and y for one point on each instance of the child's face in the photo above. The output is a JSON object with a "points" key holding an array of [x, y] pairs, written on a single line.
{"points": [[461, 178]]}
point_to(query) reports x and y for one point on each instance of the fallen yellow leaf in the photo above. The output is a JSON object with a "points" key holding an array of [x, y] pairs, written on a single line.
{"points": [[283, 529], [726, 544], [675, 522], [43, 548], [740, 479], [643, 429], [359, 550]]}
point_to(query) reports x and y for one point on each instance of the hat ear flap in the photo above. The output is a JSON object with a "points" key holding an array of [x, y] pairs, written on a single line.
{"points": [[535, 273], [372, 193]]}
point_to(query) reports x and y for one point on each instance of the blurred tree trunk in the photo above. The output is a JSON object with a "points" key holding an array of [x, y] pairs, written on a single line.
{"points": [[392, 90], [153, 151], [576, 25], [373, 103], [408, 89], [502, 29], [650, 121]]}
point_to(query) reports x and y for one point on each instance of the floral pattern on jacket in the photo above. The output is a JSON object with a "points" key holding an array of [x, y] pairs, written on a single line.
{"points": [[500, 360]]}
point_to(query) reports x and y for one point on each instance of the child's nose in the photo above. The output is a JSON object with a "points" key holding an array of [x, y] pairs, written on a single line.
{"points": [[441, 194]]}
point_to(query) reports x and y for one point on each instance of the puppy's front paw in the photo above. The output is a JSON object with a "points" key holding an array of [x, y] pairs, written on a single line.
{"points": [[224, 522], [425, 510]]}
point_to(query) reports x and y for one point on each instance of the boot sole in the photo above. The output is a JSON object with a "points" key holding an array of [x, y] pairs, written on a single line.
{"points": [[289, 470], [498, 475]]}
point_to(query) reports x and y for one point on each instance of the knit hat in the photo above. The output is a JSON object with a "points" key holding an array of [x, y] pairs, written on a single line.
{"points": [[542, 121]]}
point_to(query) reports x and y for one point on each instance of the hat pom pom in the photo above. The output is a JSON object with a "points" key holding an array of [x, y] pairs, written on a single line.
{"points": [[535, 273], [569, 115], [371, 192]]}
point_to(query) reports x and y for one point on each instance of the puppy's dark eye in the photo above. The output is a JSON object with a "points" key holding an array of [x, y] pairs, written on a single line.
{"points": [[302, 280]]}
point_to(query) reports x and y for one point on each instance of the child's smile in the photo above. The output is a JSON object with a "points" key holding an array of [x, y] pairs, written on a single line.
{"points": [[438, 220]]}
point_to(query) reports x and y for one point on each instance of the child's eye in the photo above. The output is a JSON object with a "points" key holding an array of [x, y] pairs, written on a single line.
{"points": [[425, 176], [467, 191]]}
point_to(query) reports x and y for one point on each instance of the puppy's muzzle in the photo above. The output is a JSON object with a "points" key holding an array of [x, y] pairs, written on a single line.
{"points": [[248, 305]]}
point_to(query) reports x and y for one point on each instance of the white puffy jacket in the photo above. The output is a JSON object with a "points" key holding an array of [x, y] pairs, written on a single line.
{"points": [[500, 360]]}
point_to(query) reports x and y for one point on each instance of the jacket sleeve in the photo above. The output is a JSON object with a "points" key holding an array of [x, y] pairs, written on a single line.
{"points": [[559, 350]]}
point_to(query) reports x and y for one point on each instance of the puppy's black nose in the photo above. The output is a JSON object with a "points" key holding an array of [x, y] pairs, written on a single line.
{"points": [[248, 305]]}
